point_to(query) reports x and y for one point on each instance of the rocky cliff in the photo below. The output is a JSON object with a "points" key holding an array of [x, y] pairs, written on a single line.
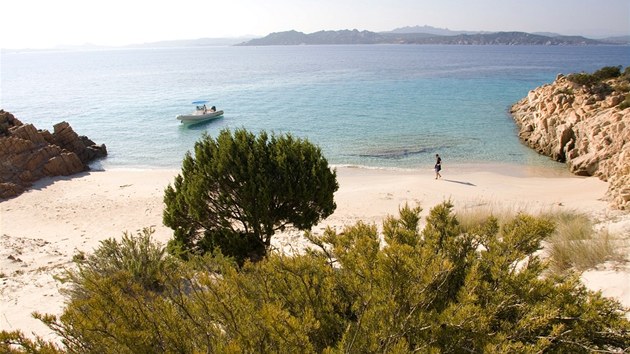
{"points": [[28, 154], [585, 125]]}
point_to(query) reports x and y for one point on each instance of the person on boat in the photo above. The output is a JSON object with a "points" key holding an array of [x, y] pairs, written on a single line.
{"points": [[205, 109], [213, 109]]}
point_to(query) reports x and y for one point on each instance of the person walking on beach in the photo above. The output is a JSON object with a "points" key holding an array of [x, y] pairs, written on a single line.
{"points": [[438, 166]]}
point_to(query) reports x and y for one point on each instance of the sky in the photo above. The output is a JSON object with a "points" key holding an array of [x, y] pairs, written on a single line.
{"points": [[50, 23]]}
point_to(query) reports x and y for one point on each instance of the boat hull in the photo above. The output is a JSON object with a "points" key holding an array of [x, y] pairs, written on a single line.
{"points": [[196, 118]]}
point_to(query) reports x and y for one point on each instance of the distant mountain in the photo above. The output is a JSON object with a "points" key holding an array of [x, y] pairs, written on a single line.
{"points": [[511, 38], [548, 34], [321, 37], [367, 37], [617, 40], [431, 30]]}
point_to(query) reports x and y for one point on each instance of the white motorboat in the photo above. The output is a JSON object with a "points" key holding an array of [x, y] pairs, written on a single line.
{"points": [[201, 114]]}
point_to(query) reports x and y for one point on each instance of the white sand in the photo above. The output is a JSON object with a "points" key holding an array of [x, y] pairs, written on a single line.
{"points": [[42, 229]]}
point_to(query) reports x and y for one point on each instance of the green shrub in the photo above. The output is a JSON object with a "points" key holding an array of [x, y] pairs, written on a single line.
{"points": [[622, 87], [16, 342], [564, 91], [238, 190], [607, 72], [582, 79], [137, 255], [601, 89], [626, 103], [438, 289]]}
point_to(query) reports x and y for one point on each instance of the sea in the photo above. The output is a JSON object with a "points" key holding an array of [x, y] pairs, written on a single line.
{"points": [[375, 106]]}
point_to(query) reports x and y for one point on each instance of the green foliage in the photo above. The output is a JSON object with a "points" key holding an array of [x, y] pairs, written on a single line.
{"points": [[626, 103], [433, 290], [17, 343], [78, 257], [238, 190], [564, 91], [116, 295], [607, 72], [582, 79], [601, 89], [137, 255], [622, 87]]}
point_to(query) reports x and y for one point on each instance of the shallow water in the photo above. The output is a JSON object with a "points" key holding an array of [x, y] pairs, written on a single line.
{"points": [[386, 106]]}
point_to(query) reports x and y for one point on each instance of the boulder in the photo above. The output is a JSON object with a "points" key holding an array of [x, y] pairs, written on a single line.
{"points": [[567, 122], [28, 154], [65, 137]]}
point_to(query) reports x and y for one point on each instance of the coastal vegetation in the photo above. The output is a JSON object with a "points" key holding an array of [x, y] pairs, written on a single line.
{"points": [[440, 288], [607, 72], [574, 245], [239, 189], [596, 84]]}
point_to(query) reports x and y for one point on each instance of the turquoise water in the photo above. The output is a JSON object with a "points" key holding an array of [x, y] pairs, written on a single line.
{"points": [[380, 106]]}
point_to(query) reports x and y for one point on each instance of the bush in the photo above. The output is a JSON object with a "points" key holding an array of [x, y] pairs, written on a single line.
{"points": [[239, 189], [17, 343], [582, 79], [622, 87], [137, 255], [564, 91], [600, 89], [626, 103], [607, 72], [435, 290]]}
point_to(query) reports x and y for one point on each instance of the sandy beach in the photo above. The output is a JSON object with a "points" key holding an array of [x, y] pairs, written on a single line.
{"points": [[41, 230]]}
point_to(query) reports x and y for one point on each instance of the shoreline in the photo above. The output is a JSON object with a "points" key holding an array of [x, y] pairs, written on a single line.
{"points": [[42, 229], [502, 168], [554, 169]]}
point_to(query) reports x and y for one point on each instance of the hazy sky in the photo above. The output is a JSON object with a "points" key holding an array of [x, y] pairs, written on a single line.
{"points": [[47, 23]]}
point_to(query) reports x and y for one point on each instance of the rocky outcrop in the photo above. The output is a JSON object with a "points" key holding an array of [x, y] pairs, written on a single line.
{"points": [[585, 127], [28, 154]]}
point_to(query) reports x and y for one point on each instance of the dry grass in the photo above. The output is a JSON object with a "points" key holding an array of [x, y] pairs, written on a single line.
{"points": [[575, 244], [472, 215]]}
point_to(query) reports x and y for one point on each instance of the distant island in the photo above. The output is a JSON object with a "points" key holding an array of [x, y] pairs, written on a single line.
{"points": [[409, 35], [403, 35]]}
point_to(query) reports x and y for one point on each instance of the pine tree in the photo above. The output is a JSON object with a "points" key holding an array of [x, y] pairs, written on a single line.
{"points": [[239, 189]]}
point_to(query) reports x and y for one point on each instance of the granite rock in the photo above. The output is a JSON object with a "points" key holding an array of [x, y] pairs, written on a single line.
{"points": [[28, 154], [588, 131]]}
